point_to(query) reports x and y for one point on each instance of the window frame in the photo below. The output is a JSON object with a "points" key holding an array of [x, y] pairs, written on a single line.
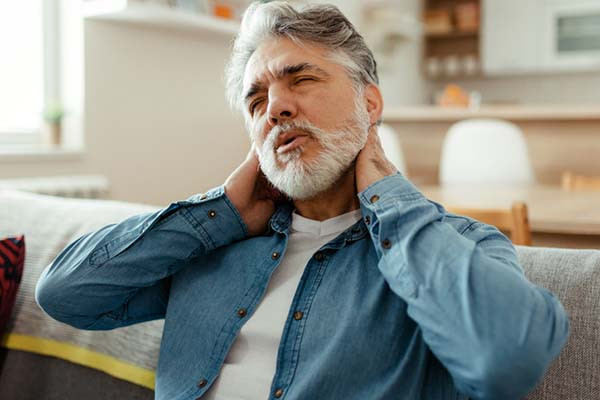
{"points": [[51, 83]]}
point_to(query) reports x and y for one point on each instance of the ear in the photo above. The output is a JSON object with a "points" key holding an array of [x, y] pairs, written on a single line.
{"points": [[374, 103]]}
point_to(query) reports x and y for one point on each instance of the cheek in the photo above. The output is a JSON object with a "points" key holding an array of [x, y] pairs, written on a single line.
{"points": [[331, 109]]}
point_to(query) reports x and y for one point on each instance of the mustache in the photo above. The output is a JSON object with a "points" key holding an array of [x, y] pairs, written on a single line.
{"points": [[302, 126]]}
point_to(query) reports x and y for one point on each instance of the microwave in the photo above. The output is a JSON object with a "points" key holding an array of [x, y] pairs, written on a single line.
{"points": [[570, 37]]}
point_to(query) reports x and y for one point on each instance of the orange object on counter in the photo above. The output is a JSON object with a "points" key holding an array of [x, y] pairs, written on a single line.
{"points": [[223, 11], [454, 96]]}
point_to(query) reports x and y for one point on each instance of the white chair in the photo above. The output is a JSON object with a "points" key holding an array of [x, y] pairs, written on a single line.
{"points": [[392, 147], [485, 151]]}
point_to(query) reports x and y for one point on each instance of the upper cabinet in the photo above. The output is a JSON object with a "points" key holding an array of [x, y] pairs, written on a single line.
{"points": [[540, 36], [510, 37]]}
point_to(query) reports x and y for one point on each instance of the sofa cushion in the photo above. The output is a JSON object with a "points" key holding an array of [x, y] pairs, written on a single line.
{"points": [[12, 258], [574, 277]]}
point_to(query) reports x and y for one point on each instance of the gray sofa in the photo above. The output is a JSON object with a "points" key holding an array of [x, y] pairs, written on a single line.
{"points": [[43, 359]]}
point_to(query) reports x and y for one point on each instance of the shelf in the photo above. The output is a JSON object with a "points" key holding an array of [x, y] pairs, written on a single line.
{"points": [[156, 15], [452, 35], [442, 78]]}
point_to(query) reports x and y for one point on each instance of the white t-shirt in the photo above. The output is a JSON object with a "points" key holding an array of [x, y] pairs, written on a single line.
{"points": [[250, 365]]}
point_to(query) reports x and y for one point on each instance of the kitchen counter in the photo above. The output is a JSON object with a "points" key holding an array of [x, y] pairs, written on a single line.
{"points": [[550, 112]]}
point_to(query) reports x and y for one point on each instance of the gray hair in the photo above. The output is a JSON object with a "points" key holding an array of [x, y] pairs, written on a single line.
{"points": [[318, 24]]}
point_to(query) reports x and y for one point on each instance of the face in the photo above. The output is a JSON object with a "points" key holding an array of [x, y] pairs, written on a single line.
{"points": [[304, 116]]}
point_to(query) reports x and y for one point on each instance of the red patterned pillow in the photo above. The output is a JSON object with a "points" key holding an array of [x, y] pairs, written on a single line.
{"points": [[12, 259]]}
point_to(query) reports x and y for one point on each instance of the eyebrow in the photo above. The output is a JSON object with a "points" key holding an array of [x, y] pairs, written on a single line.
{"points": [[286, 71]]}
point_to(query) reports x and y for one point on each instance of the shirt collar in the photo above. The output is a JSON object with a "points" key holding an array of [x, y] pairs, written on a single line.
{"points": [[282, 218]]}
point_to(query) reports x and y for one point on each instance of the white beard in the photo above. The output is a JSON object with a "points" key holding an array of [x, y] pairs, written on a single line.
{"points": [[301, 180]]}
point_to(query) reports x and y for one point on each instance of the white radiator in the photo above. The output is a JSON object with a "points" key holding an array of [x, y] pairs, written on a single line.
{"points": [[80, 186]]}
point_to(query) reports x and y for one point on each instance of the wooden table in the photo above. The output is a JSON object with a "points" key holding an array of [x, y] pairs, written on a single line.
{"points": [[558, 218]]}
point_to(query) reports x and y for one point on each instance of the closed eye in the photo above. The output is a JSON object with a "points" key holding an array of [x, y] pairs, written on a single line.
{"points": [[304, 79], [254, 104]]}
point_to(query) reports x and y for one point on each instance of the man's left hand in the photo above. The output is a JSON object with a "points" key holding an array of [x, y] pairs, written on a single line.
{"points": [[371, 163]]}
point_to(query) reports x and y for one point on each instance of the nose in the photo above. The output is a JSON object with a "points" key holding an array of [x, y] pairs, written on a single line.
{"points": [[282, 105]]}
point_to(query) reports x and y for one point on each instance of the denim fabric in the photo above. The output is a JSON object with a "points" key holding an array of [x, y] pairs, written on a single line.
{"points": [[409, 303]]}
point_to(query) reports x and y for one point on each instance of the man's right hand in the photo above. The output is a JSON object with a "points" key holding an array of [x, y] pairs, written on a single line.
{"points": [[252, 194]]}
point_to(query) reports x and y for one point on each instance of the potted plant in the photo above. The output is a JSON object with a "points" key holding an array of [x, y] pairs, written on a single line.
{"points": [[53, 115]]}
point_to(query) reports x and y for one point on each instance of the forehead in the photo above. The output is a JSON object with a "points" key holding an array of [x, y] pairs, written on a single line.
{"points": [[274, 54]]}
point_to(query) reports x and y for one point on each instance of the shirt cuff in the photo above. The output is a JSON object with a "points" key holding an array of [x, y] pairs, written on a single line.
{"points": [[214, 217], [389, 189]]}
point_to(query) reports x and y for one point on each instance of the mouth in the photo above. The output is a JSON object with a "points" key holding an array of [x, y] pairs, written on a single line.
{"points": [[290, 141]]}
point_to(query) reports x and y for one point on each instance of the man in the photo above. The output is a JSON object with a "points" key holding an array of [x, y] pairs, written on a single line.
{"points": [[358, 287]]}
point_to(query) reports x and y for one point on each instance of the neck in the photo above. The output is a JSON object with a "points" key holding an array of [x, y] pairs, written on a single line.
{"points": [[337, 200]]}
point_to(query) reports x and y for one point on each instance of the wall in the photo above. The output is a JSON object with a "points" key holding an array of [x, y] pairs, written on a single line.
{"points": [[156, 106]]}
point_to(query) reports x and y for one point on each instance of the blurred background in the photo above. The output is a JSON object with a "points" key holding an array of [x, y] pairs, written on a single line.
{"points": [[124, 99]]}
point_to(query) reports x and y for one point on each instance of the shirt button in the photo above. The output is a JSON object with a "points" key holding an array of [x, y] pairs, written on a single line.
{"points": [[212, 214], [319, 256], [298, 315], [242, 312], [374, 198], [202, 383], [367, 220], [386, 243], [278, 393], [275, 255]]}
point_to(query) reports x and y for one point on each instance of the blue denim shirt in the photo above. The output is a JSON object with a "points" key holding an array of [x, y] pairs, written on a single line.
{"points": [[409, 303]]}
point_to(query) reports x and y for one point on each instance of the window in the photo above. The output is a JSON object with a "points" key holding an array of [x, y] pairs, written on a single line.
{"points": [[28, 70]]}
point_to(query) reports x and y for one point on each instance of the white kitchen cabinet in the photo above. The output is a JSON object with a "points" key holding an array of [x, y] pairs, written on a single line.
{"points": [[511, 41]]}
